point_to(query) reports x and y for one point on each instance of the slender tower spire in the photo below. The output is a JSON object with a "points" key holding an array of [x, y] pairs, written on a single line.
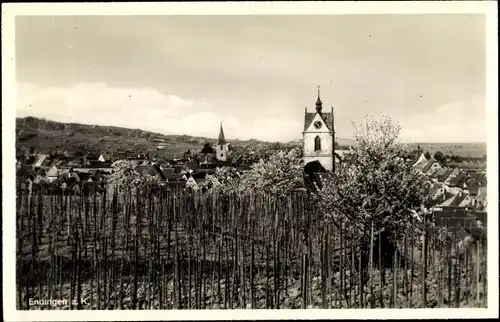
{"points": [[319, 104], [222, 139]]}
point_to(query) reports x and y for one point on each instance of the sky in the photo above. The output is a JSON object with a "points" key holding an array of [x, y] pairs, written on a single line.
{"points": [[256, 74]]}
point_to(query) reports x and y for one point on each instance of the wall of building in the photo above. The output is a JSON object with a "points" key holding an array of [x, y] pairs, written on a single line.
{"points": [[221, 152], [325, 155], [326, 162]]}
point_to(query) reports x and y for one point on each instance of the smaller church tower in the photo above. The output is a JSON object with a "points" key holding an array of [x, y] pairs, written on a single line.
{"points": [[319, 136], [222, 147]]}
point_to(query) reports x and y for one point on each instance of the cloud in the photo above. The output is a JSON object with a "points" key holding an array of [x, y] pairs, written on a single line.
{"points": [[144, 108], [459, 121]]}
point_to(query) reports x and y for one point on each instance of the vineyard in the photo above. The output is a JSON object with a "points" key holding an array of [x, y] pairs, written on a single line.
{"points": [[158, 249]]}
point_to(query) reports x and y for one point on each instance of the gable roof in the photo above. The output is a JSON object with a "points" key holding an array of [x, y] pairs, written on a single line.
{"points": [[99, 164], [427, 165], [458, 199], [48, 162], [92, 156], [168, 173], [444, 174], [434, 189], [40, 160], [53, 172], [447, 199], [459, 180], [327, 118]]}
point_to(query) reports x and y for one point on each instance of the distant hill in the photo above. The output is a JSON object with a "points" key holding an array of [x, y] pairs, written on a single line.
{"points": [[47, 136]]}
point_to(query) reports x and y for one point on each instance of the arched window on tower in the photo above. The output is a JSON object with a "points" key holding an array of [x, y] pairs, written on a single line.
{"points": [[317, 144]]}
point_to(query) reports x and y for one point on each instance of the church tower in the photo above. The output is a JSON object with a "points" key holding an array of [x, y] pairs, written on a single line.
{"points": [[222, 147], [319, 137]]}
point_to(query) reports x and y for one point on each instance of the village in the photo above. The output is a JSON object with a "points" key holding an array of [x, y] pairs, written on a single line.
{"points": [[456, 189]]}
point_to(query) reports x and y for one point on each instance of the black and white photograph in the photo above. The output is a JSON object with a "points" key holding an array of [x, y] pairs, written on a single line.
{"points": [[308, 159]]}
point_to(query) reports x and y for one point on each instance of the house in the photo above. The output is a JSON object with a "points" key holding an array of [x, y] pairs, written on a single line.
{"points": [[105, 167], [443, 174], [421, 159], [82, 176], [191, 183], [151, 170], [454, 173], [192, 165], [179, 168], [471, 222], [94, 157], [39, 160], [459, 181], [52, 174], [237, 160], [168, 174], [48, 163], [65, 173], [161, 163], [210, 158], [187, 155], [429, 166], [460, 200], [473, 186], [436, 190]]}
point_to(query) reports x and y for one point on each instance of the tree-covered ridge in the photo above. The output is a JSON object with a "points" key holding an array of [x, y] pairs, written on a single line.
{"points": [[73, 139]]}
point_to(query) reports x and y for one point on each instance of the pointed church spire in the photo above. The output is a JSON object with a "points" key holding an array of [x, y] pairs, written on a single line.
{"points": [[222, 139], [319, 104]]}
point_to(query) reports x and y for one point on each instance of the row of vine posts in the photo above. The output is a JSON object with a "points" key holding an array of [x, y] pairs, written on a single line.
{"points": [[163, 250]]}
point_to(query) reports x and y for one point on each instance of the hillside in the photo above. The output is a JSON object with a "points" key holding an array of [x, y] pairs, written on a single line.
{"points": [[76, 139]]}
